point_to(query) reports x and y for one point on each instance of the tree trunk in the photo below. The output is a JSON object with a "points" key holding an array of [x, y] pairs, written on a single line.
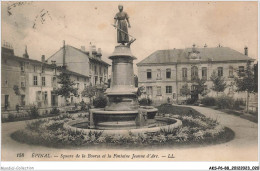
{"points": [[247, 102]]}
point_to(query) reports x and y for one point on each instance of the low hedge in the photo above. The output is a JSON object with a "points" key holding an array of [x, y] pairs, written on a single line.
{"points": [[208, 101]]}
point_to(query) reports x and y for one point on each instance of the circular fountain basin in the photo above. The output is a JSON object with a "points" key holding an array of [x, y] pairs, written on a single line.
{"points": [[162, 123], [110, 120], [102, 115]]}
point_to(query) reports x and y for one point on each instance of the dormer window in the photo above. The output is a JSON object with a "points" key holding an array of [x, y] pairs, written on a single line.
{"points": [[194, 54]]}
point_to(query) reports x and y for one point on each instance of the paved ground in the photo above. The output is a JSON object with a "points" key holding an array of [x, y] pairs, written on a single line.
{"points": [[244, 147]]}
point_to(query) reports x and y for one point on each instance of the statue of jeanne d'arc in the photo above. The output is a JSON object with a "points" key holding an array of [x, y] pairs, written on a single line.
{"points": [[122, 21]]}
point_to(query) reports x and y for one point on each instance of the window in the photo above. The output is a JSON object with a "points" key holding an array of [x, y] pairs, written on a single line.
{"points": [[22, 66], [35, 80], [204, 73], [22, 81], [45, 97], [194, 73], [184, 74], [43, 81], [158, 74], [149, 90], [96, 79], [241, 69], [22, 84], [159, 91], [168, 89], [220, 71], [34, 68], [231, 69], [168, 73], [95, 69], [6, 83], [6, 102], [149, 73], [22, 100]]}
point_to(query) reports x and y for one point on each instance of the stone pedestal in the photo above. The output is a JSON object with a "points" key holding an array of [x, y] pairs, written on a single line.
{"points": [[141, 119], [122, 110], [122, 92]]}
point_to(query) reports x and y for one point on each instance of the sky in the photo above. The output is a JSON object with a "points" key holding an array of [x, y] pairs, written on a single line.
{"points": [[43, 26]]}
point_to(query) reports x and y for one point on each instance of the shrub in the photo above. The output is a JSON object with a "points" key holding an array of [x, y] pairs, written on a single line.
{"points": [[241, 102], [54, 111], [100, 102], [208, 101], [145, 102], [17, 108], [190, 101], [11, 117], [225, 102], [83, 106], [33, 112]]}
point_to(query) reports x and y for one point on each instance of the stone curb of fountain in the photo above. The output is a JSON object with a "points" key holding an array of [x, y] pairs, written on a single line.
{"points": [[178, 123]]}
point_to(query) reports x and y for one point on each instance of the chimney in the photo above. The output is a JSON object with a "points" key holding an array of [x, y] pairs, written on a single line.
{"points": [[193, 47], [25, 55], [90, 49], [99, 53], [246, 51], [43, 58], [94, 51], [83, 48]]}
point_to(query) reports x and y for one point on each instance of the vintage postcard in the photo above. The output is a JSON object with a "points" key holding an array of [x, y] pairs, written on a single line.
{"points": [[129, 81]]}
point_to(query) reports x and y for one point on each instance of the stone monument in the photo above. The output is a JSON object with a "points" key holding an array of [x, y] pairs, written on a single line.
{"points": [[122, 110]]}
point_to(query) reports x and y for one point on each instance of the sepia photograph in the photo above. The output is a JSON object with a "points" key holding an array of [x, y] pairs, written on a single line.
{"points": [[130, 81]]}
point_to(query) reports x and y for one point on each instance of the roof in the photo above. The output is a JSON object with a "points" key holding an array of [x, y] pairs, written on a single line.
{"points": [[85, 53], [215, 54], [91, 57], [22, 59], [72, 73]]}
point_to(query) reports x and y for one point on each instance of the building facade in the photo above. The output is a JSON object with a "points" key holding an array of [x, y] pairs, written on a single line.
{"points": [[27, 82], [88, 63], [165, 72]]}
